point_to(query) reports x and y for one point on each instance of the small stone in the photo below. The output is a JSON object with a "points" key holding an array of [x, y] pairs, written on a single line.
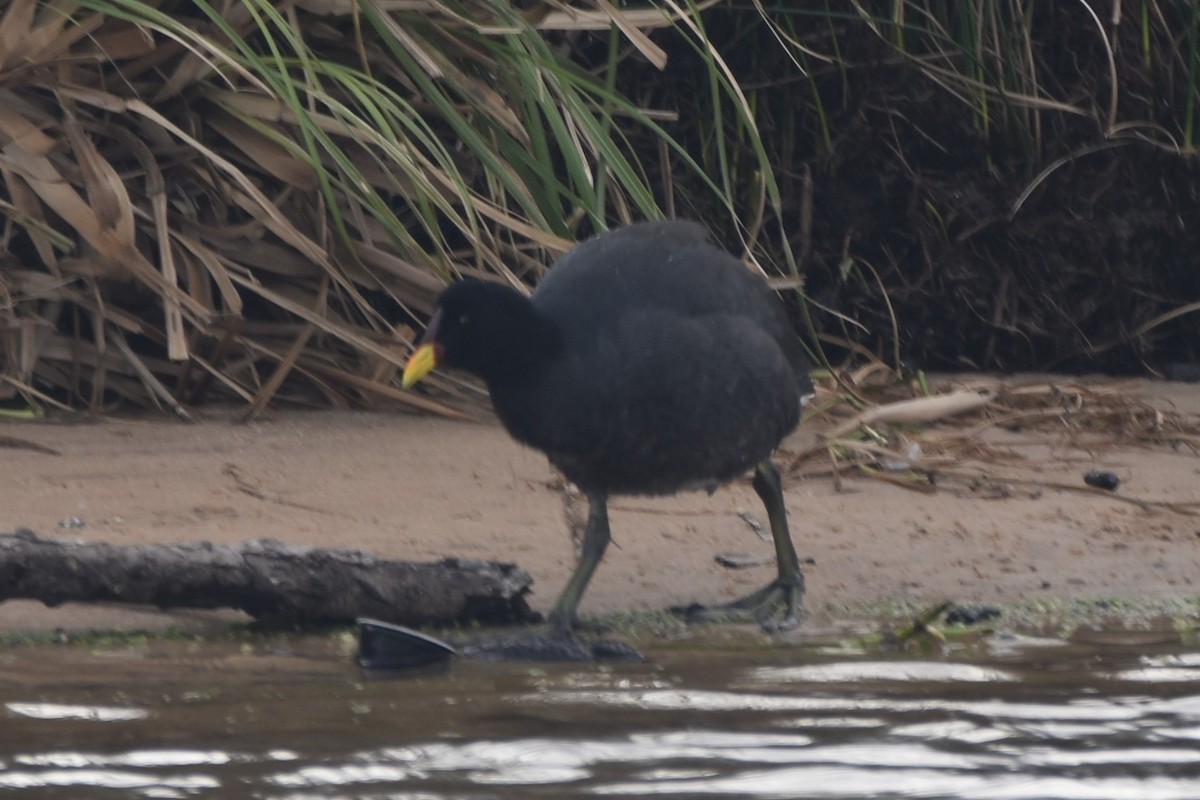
{"points": [[1101, 479]]}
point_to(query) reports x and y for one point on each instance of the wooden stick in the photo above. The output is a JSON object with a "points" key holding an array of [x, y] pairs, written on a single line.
{"points": [[264, 578]]}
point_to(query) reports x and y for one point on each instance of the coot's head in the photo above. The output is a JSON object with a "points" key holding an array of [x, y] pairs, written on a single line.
{"points": [[485, 328]]}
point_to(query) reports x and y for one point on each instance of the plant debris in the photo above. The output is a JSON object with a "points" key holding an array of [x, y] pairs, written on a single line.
{"points": [[941, 443]]}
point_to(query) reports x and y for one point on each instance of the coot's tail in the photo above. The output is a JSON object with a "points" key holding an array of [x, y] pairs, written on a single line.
{"points": [[805, 386]]}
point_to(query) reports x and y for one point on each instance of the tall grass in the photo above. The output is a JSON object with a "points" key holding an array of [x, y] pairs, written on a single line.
{"points": [[257, 190], [258, 200]]}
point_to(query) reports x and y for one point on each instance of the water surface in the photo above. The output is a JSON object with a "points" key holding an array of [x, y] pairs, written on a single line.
{"points": [[1019, 720]]}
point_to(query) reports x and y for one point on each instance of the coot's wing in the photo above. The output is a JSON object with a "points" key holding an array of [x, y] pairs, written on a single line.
{"points": [[660, 265]]}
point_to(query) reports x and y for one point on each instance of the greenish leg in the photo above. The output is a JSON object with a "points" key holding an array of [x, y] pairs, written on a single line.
{"points": [[595, 542], [788, 587], [790, 581]]}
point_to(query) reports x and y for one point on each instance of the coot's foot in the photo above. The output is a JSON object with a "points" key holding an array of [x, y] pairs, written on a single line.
{"points": [[776, 607]]}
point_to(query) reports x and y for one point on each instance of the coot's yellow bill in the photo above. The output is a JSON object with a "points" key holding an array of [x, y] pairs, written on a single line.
{"points": [[420, 364]]}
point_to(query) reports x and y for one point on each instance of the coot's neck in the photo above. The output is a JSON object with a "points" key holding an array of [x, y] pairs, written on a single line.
{"points": [[515, 342]]}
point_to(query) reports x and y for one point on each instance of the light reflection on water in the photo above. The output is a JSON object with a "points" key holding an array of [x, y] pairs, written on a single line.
{"points": [[1063, 723]]}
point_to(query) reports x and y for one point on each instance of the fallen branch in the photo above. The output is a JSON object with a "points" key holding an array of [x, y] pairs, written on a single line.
{"points": [[265, 578]]}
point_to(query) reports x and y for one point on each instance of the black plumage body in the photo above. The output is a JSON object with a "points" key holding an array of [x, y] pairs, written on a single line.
{"points": [[667, 365]]}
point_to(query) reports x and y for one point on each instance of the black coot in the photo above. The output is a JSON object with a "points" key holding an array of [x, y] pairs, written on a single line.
{"points": [[646, 362]]}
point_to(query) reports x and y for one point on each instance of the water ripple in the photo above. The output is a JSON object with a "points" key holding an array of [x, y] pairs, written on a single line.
{"points": [[852, 729], [75, 712], [859, 671]]}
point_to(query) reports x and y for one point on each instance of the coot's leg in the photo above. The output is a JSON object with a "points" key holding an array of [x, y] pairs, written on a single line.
{"points": [[790, 581], [788, 587], [595, 542]]}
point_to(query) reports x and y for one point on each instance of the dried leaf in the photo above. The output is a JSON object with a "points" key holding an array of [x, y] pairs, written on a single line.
{"points": [[14, 31], [106, 193], [265, 153]]}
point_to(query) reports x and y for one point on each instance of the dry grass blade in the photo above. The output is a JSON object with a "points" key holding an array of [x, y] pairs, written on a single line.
{"points": [[106, 194], [653, 53], [265, 152], [20, 132], [385, 390], [28, 38], [156, 193], [921, 410], [282, 370], [14, 29], [1146, 327], [1056, 164], [328, 326], [157, 390], [643, 19]]}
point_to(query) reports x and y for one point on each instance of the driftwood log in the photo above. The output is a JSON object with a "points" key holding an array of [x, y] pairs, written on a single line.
{"points": [[265, 578]]}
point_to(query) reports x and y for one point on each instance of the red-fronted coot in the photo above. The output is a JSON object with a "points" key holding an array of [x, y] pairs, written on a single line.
{"points": [[647, 361]]}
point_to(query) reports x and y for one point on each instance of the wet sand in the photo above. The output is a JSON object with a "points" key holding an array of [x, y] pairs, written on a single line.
{"points": [[419, 488]]}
